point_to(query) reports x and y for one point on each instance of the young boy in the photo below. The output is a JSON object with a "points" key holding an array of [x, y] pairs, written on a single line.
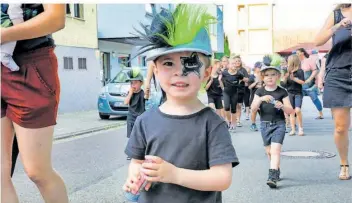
{"points": [[272, 101], [188, 142], [11, 14], [135, 100], [254, 82]]}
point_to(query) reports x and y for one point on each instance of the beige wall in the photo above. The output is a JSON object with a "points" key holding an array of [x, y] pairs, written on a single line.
{"points": [[80, 32], [293, 22]]}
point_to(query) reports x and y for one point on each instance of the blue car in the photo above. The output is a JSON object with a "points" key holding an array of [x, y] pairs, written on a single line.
{"points": [[112, 96]]}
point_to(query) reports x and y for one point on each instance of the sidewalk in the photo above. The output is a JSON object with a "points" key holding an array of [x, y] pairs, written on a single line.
{"points": [[79, 123]]}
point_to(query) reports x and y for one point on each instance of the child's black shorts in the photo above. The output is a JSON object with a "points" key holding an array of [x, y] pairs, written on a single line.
{"points": [[272, 132], [217, 101], [130, 123]]}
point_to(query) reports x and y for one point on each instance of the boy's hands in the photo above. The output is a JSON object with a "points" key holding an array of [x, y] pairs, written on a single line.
{"points": [[159, 171], [131, 183], [278, 105], [131, 90]]}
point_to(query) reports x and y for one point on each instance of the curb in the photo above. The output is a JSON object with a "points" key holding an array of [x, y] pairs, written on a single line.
{"points": [[87, 131]]}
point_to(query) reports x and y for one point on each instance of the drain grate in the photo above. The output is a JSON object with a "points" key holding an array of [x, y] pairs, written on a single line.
{"points": [[310, 154]]}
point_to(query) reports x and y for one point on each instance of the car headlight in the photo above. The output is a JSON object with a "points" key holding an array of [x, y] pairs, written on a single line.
{"points": [[102, 95]]}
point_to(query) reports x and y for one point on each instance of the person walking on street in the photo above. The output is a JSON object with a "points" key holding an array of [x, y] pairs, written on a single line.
{"points": [[255, 82], [241, 88], [213, 88], [135, 99], [310, 73], [247, 95], [272, 101], [229, 81], [293, 80], [338, 78], [224, 63], [224, 66], [33, 119], [283, 67]]}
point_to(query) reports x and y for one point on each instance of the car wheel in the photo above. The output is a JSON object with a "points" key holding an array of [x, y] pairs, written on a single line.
{"points": [[104, 117]]}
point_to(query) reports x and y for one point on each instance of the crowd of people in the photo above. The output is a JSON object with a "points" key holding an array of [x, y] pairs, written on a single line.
{"points": [[231, 87]]}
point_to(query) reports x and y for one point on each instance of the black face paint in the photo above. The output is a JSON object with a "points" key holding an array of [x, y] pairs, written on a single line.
{"points": [[191, 64]]}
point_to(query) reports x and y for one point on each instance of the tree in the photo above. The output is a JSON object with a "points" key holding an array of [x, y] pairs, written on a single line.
{"points": [[227, 50]]}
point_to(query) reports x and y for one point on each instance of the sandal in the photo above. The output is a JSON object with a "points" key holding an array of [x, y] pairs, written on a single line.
{"points": [[319, 117], [344, 173], [292, 133], [300, 132]]}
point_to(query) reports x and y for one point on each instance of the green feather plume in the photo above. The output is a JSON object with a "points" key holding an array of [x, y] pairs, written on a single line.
{"points": [[135, 72], [272, 60], [188, 19], [275, 60]]}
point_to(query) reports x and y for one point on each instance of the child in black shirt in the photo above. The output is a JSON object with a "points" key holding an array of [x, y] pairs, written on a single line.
{"points": [[214, 90], [135, 99], [188, 144], [293, 81], [254, 82], [272, 101], [230, 80]]}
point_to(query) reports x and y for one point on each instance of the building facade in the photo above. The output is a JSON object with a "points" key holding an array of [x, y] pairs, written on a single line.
{"points": [[76, 50], [256, 27]]}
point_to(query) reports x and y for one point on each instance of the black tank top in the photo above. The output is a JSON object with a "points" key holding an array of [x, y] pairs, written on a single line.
{"points": [[341, 51], [214, 89], [22, 46]]}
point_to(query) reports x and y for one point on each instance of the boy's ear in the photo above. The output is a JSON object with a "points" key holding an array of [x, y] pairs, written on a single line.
{"points": [[207, 74]]}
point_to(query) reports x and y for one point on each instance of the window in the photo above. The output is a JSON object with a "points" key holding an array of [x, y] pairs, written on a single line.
{"points": [[68, 63], [82, 63], [123, 60], [68, 9], [78, 10], [242, 41], [122, 76], [259, 16]]}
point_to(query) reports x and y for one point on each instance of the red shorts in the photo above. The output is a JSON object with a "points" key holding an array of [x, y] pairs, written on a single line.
{"points": [[30, 96]]}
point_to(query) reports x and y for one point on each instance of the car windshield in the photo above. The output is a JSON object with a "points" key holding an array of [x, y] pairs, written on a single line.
{"points": [[122, 76]]}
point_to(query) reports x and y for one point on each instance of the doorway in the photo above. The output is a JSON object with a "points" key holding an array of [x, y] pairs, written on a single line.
{"points": [[106, 68]]}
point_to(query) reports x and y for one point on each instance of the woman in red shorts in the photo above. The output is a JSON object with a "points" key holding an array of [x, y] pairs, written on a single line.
{"points": [[29, 101]]}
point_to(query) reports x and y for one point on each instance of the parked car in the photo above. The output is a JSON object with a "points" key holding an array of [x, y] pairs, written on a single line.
{"points": [[112, 96]]}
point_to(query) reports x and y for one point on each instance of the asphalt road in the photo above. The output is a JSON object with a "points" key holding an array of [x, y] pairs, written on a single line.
{"points": [[94, 168]]}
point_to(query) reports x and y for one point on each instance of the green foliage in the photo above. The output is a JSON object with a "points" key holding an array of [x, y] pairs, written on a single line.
{"points": [[227, 50]]}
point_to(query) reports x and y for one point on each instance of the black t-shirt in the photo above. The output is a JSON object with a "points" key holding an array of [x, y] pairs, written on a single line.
{"points": [[197, 141], [241, 87], [137, 104], [30, 11], [268, 112], [215, 88], [231, 82], [293, 87]]}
